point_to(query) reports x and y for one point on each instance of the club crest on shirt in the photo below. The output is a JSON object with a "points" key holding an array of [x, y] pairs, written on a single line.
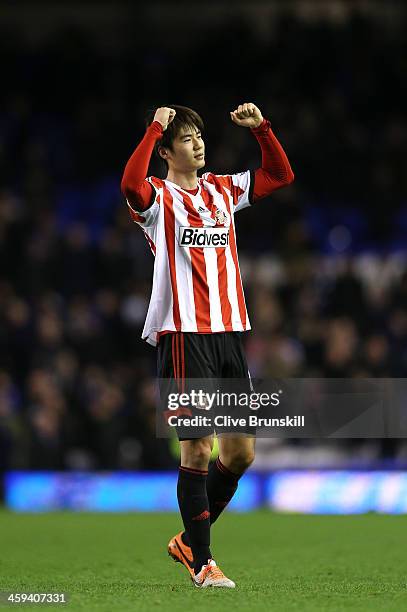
{"points": [[220, 217]]}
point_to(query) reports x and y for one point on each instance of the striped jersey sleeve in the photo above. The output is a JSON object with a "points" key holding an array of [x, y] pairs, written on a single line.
{"points": [[239, 186], [148, 217]]}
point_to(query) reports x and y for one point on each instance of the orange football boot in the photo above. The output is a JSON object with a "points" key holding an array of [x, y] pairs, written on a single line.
{"points": [[181, 553], [212, 576]]}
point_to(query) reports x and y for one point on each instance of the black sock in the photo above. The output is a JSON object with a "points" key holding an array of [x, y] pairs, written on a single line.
{"points": [[194, 507], [221, 485]]}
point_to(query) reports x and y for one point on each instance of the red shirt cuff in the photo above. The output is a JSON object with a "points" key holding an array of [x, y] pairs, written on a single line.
{"points": [[156, 128], [263, 127]]}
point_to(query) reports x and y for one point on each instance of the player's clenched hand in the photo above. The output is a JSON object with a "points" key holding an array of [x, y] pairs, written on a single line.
{"points": [[247, 115], [164, 115]]}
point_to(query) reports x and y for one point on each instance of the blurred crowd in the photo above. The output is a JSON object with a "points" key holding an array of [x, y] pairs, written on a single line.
{"points": [[323, 261], [77, 383]]}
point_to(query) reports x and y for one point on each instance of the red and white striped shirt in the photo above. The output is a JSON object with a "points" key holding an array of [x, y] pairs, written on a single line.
{"points": [[195, 288], [196, 282]]}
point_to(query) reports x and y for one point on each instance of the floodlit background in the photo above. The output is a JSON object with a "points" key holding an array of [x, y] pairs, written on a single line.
{"points": [[323, 261]]}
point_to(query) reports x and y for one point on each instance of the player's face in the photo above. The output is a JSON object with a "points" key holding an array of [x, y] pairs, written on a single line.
{"points": [[188, 150]]}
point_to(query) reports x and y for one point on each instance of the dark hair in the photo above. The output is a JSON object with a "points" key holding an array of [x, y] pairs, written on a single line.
{"points": [[185, 117]]}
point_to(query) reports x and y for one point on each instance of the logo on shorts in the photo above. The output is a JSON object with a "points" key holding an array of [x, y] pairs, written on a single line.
{"points": [[209, 237]]}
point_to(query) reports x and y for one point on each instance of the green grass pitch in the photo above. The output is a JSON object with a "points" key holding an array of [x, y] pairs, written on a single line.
{"points": [[109, 562]]}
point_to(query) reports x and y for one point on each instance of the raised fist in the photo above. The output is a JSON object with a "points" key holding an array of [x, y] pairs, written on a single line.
{"points": [[247, 115], [164, 115]]}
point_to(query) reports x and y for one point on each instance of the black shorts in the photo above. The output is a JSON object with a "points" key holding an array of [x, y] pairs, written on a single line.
{"points": [[188, 360]]}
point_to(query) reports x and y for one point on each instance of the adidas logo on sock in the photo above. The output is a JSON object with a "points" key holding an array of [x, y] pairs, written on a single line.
{"points": [[201, 517]]}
